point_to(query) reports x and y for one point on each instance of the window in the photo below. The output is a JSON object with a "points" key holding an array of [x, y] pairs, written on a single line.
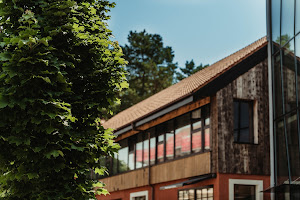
{"points": [[143, 195], [243, 121], [206, 193], [245, 189], [244, 192], [181, 136]]}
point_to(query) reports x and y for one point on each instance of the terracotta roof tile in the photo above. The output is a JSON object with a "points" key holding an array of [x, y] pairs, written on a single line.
{"points": [[181, 89]]}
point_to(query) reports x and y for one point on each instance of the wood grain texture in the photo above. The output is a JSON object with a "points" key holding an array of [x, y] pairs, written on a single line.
{"points": [[178, 169], [188, 167], [127, 180], [235, 157]]}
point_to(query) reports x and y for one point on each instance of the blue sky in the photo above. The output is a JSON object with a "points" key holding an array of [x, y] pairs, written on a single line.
{"points": [[203, 30]]}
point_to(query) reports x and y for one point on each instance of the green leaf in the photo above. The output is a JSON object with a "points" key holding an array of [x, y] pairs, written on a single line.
{"points": [[32, 175], [77, 148], [3, 101], [54, 153]]}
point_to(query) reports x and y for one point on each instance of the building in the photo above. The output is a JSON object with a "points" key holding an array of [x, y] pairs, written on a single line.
{"points": [[204, 138], [283, 19]]}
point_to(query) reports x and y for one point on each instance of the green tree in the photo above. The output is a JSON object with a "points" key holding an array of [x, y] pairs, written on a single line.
{"points": [[150, 67], [190, 68], [58, 71]]}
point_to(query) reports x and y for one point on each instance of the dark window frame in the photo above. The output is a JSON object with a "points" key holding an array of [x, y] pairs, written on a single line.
{"points": [[251, 120]]}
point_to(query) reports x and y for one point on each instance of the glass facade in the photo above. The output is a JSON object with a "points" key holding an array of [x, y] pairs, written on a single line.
{"points": [[284, 37], [182, 136]]}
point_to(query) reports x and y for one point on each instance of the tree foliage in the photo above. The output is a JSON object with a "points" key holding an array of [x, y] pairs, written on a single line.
{"points": [[150, 67], [59, 69], [189, 69]]}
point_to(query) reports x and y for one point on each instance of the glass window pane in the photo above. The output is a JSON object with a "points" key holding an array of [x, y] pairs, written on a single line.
{"points": [[287, 21], [204, 193], [183, 135], [115, 163], [277, 85], [196, 114], [197, 125], [210, 192], [152, 146], [160, 143], [198, 194], [244, 192], [197, 141], [146, 150], [275, 20], [244, 135], [289, 81], [293, 142], [180, 195], [282, 166], [169, 139], [191, 194], [297, 52], [297, 16], [123, 156], [139, 151], [207, 138], [131, 158], [244, 114]]}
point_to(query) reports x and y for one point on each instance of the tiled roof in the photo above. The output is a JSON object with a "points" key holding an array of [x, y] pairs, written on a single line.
{"points": [[182, 89]]}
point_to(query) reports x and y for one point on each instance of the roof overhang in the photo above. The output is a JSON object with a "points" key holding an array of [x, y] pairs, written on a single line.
{"points": [[189, 182]]}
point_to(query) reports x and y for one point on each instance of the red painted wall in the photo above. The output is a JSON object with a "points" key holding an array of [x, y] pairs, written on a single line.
{"points": [[220, 184]]}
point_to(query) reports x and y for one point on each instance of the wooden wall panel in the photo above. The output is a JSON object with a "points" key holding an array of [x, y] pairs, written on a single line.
{"points": [[127, 180], [183, 168], [243, 158], [178, 169]]}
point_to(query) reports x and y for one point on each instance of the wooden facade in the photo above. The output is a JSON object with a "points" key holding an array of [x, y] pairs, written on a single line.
{"points": [[236, 158], [177, 169]]}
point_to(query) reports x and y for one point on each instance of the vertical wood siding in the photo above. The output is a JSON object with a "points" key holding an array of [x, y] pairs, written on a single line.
{"points": [[234, 157]]}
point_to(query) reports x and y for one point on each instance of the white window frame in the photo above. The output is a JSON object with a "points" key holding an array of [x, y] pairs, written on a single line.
{"points": [[138, 194], [258, 187]]}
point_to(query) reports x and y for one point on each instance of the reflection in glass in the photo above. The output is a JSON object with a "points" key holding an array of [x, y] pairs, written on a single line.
{"points": [[131, 158], [297, 53], [139, 151], [207, 138], [289, 81], [152, 146], [123, 156], [277, 86], [293, 144], [183, 135], [275, 20], [281, 154], [169, 140], [146, 150], [160, 143], [297, 16], [287, 21], [115, 163]]}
